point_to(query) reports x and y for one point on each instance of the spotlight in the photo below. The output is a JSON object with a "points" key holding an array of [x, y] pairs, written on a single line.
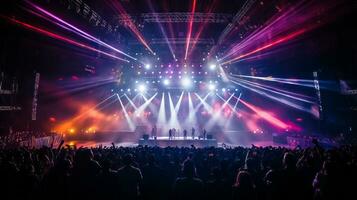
{"points": [[186, 82], [212, 66], [142, 88], [211, 87], [166, 82], [223, 89], [147, 66]]}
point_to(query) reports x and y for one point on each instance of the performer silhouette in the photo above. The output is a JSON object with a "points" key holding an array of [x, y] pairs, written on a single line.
{"points": [[154, 132], [170, 134], [185, 134], [204, 134]]}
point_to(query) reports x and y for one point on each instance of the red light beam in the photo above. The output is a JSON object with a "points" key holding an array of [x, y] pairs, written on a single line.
{"points": [[266, 116], [271, 44], [59, 37], [190, 28]]}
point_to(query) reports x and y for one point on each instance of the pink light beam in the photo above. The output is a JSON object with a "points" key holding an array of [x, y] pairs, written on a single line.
{"points": [[188, 38]]}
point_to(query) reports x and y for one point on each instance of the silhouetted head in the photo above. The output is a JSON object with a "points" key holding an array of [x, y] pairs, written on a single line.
{"points": [[251, 164], [151, 159], [244, 180], [128, 159], [189, 169], [289, 160], [83, 156]]}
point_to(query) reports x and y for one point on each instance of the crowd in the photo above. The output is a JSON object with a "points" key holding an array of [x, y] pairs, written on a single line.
{"points": [[15, 138], [268, 173]]}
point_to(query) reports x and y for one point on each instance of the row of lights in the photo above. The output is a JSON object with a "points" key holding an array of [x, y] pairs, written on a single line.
{"points": [[211, 87], [172, 72], [185, 82], [167, 80], [148, 66]]}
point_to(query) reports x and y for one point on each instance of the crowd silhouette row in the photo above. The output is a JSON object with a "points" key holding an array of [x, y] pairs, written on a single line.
{"points": [[267, 173]]}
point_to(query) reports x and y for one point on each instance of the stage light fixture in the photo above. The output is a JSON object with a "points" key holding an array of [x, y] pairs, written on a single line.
{"points": [[186, 82], [211, 87], [212, 67], [142, 88], [166, 82], [223, 89], [147, 66]]}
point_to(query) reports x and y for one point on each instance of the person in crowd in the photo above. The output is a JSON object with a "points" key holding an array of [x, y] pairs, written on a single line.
{"points": [[188, 186], [244, 188], [154, 180], [267, 173], [84, 175], [130, 179]]}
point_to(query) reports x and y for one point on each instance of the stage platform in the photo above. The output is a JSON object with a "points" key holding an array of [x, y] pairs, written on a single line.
{"points": [[178, 142]]}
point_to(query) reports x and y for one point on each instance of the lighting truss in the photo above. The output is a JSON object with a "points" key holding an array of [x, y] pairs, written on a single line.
{"points": [[236, 19], [85, 11], [184, 17]]}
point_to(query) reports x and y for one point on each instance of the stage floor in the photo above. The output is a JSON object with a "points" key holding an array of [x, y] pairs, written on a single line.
{"points": [[178, 142], [93, 143]]}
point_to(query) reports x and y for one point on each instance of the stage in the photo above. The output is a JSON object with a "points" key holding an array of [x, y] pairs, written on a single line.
{"points": [[178, 142]]}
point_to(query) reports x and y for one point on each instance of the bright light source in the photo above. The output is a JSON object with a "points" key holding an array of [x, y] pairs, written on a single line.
{"points": [[186, 82], [147, 66], [223, 89], [166, 82], [211, 87], [212, 67], [142, 88]]}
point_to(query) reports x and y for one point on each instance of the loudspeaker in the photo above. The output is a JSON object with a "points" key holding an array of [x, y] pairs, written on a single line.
{"points": [[209, 137], [146, 137]]}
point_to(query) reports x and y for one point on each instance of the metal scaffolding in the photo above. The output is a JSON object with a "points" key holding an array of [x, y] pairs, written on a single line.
{"points": [[237, 18]]}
